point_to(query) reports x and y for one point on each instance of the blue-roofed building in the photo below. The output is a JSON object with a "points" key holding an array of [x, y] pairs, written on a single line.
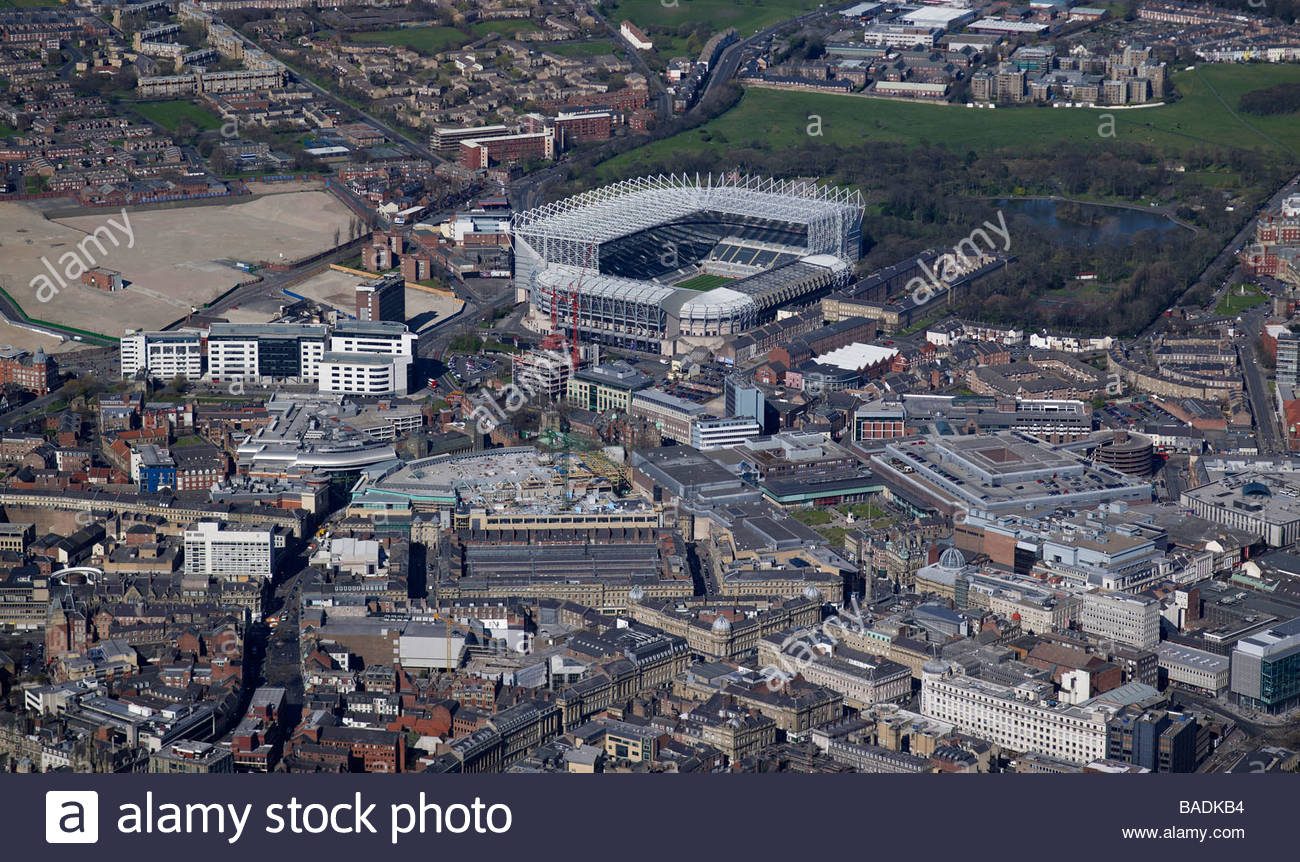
{"points": [[154, 468]]}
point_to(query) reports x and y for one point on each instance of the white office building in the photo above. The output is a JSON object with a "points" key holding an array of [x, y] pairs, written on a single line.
{"points": [[162, 355], [368, 357], [709, 432], [1195, 668], [1129, 619], [373, 336], [265, 353], [215, 551], [1023, 718], [364, 374]]}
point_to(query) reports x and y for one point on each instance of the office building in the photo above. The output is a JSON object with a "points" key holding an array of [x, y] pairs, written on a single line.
{"points": [[1023, 718], [1155, 739], [214, 551], [673, 416], [162, 355], [1129, 619], [385, 337], [710, 432], [382, 299], [743, 400], [368, 358], [363, 374], [1266, 669], [191, 757], [606, 387], [265, 352], [1194, 668]]}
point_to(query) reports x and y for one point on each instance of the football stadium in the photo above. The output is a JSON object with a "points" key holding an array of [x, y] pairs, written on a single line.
{"points": [[663, 264]]}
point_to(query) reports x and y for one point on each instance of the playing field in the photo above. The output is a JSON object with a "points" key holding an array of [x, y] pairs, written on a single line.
{"points": [[171, 259], [580, 49], [426, 40], [435, 40], [747, 16], [1205, 115], [504, 27], [704, 282], [170, 114]]}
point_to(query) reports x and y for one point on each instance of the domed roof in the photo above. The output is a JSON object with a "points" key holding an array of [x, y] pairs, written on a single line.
{"points": [[812, 593], [952, 558], [635, 594], [722, 626]]}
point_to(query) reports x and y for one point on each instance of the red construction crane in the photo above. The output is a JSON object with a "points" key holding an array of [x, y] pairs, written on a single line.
{"points": [[574, 301], [575, 292]]}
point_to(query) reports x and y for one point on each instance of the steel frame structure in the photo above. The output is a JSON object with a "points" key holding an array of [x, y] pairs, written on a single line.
{"points": [[558, 247], [563, 232]]}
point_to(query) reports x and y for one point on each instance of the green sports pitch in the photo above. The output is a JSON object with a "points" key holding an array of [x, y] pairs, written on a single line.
{"points": [[704, 282]]}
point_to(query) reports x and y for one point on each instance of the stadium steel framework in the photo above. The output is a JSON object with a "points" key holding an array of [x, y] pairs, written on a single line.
{"points": [[566, 252]]}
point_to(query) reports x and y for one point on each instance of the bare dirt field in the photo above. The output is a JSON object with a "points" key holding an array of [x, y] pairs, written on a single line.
{"points": [[25, 339], [308, 185], [338, 290], [171, 259]]}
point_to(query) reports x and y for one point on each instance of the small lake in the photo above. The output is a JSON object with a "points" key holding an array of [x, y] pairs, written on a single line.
{"points": [[1086, 224]]}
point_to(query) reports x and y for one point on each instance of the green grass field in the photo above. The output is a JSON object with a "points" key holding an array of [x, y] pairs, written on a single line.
{"points": [[704, 282], [426, 40], [812, 517], [776, 119], [747, 16], [31, 4], [504, 27], [1235, 300], [864, 511], [170, 114], [667, 47], [435, 40], [580, 49]]}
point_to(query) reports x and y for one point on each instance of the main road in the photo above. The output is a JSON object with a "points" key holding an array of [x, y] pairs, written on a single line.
{"points": [[1269, 440], [417, 148], [1229, 251], [529, 191], [725, 69]]}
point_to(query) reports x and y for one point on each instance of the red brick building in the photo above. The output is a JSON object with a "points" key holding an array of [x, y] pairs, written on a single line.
{"points": [[368, 750], [480, 154], [417, 267], [102, 279], [67, 630], [377, 258], [585, 126], [37, 374]]}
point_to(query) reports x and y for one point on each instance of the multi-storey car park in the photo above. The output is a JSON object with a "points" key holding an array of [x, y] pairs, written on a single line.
{"points": [[661, 261]]}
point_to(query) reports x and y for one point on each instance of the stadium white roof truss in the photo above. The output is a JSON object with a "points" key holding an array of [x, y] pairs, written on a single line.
{"points": [[565, 231]]}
